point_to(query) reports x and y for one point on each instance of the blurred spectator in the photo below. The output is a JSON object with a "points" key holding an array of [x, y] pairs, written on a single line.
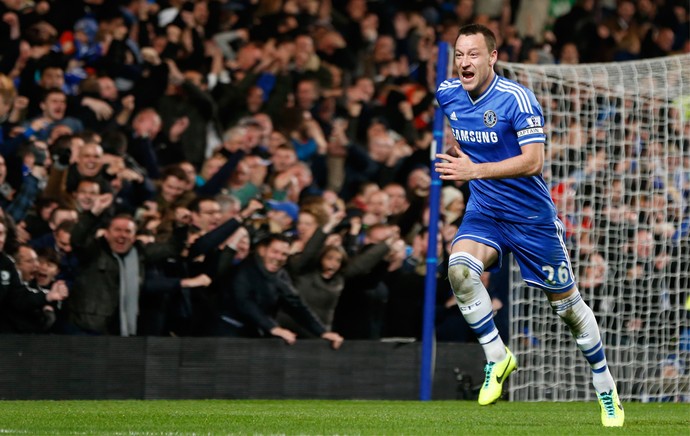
{"points": [[51, 76], [88, 163], [377, 209], [578, 26], [141, 146], [259, 288], [17, 203], [397, 201], [657, 43], [53, 110], [172, 192], [188, 97], [569, 54], [281, 218], [360, 313], [48, 268], [60, 242], [36, 222], [404, 310], [314, 227], [213, 251], [86, 194], [101, 106], [241, 185], [106, 291], [452, 204], [41, 319], [22, 306]]}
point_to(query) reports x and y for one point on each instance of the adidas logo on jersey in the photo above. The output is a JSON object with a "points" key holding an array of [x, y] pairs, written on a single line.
{"points": [[453, 117]]}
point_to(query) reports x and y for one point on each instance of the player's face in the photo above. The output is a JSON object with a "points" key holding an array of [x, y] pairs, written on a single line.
{"points": [[474, 63]]}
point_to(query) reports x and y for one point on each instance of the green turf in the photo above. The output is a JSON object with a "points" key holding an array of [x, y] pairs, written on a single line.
{"points": [[217, 417]]}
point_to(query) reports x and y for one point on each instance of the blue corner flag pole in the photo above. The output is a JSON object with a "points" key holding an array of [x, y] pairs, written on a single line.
{"points": [[428, 337]]}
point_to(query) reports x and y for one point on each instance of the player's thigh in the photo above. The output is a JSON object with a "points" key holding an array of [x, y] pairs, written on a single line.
{"points": [[541, 253], [478, 236]]}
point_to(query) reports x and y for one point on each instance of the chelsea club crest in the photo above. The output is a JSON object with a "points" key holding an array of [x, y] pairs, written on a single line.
{"points": [[490, 118]]}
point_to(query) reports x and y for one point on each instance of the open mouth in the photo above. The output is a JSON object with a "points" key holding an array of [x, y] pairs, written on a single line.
{"points": [[467, 75]]}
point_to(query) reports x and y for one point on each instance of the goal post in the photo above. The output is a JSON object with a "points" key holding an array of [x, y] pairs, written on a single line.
{"points": [[618, 165]]}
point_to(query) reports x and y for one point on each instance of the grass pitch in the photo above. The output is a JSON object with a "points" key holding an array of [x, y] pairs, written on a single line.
{"points": [[295, 417]]}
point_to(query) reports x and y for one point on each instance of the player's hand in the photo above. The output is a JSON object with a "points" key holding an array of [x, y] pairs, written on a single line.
{"points": [[459, 168], [335, 338]]}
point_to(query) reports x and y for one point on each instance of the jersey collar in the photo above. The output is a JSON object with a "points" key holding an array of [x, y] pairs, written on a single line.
{"points": [[485, 93]]}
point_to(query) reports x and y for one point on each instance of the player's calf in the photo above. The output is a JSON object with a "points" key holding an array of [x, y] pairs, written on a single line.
{"points": [[464, 273]]}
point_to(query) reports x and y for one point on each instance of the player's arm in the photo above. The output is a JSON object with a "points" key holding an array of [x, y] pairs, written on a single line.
{"points": [[529, 163]]}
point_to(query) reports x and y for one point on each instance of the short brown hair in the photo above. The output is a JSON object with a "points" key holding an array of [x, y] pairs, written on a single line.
{"points": [[474, 29]]}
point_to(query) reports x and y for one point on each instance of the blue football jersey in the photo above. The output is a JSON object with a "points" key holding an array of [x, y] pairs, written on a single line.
{"points": [[492, 128]]}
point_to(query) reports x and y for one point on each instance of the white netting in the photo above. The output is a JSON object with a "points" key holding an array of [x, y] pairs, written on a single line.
{"points": [[618, 162]]}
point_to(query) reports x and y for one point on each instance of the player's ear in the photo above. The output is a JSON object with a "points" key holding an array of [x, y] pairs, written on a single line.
{"points": [[493, 57]]}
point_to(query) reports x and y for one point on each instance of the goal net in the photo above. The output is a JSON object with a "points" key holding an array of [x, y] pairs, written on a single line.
{"points": [[618, 165]]}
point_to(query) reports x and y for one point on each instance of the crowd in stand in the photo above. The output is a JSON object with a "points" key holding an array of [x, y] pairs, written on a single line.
{"points": [[249, 168]]}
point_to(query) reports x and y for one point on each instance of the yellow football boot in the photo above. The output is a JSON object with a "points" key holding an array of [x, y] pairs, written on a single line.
{"points": [[612, 414], [495, 375]]}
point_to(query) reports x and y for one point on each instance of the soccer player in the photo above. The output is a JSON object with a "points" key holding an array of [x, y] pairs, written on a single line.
{"points": [[499, 127]]}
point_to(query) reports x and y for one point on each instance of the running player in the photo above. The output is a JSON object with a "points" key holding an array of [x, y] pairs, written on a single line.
{"points": [[499, 127]]}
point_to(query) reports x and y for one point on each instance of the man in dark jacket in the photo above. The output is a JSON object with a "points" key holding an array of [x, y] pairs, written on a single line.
{"points": [[111, 271], [261, 287], [16, 299]]}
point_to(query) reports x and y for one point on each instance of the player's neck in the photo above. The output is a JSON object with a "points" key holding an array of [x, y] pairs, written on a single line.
{"points": [[482, 89]]}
